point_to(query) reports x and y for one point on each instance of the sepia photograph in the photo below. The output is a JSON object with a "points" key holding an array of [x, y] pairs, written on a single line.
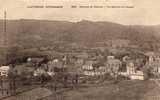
{"points": [[79, 50]]}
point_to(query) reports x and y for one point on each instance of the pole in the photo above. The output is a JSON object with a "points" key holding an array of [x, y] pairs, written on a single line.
{"points": [[5, 37]]}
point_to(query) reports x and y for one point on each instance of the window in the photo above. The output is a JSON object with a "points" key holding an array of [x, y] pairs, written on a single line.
{"points": [[4, 73]]}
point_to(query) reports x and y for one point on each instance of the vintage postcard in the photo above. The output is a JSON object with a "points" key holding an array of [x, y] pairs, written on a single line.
{"points": [[79, 50]]}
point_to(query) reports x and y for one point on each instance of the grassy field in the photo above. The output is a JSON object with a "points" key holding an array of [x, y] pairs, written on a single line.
{"points": [[124, 90], [108, 90]]}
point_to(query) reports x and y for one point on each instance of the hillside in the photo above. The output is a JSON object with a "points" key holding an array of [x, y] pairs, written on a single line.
{"points": [[29, 33]]}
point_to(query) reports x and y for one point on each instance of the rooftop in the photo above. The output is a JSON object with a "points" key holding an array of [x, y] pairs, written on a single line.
{"points": [[4, 68]]}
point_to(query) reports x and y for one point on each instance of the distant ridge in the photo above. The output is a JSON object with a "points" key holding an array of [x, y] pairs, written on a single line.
{"points": [[26, 32]]}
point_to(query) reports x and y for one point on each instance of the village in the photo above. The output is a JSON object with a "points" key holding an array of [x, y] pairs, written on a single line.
{"points": [[76, 66]]}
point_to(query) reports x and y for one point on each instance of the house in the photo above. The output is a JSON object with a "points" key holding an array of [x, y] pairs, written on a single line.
{"points": [[131, 71], [125, 58], [101, 70], [113, 65], [39, 72], [35, 60], [139, 75], [71, 59], [4, 70], [93, 68], [79, 62], [153, 63], [89, 73], [23, 70], [130, 67], [88, 65], [110, 57], [55, 63]]}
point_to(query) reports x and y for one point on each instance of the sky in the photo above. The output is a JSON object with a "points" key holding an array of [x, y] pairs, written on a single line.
{"points": [[143, 12]]}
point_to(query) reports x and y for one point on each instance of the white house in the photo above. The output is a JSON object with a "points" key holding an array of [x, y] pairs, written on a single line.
{"points": [[139, 75], [88, 65], [130, 68], [89, 73], [4, 70], [132, 73], [39, 72], [113, 65]]}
